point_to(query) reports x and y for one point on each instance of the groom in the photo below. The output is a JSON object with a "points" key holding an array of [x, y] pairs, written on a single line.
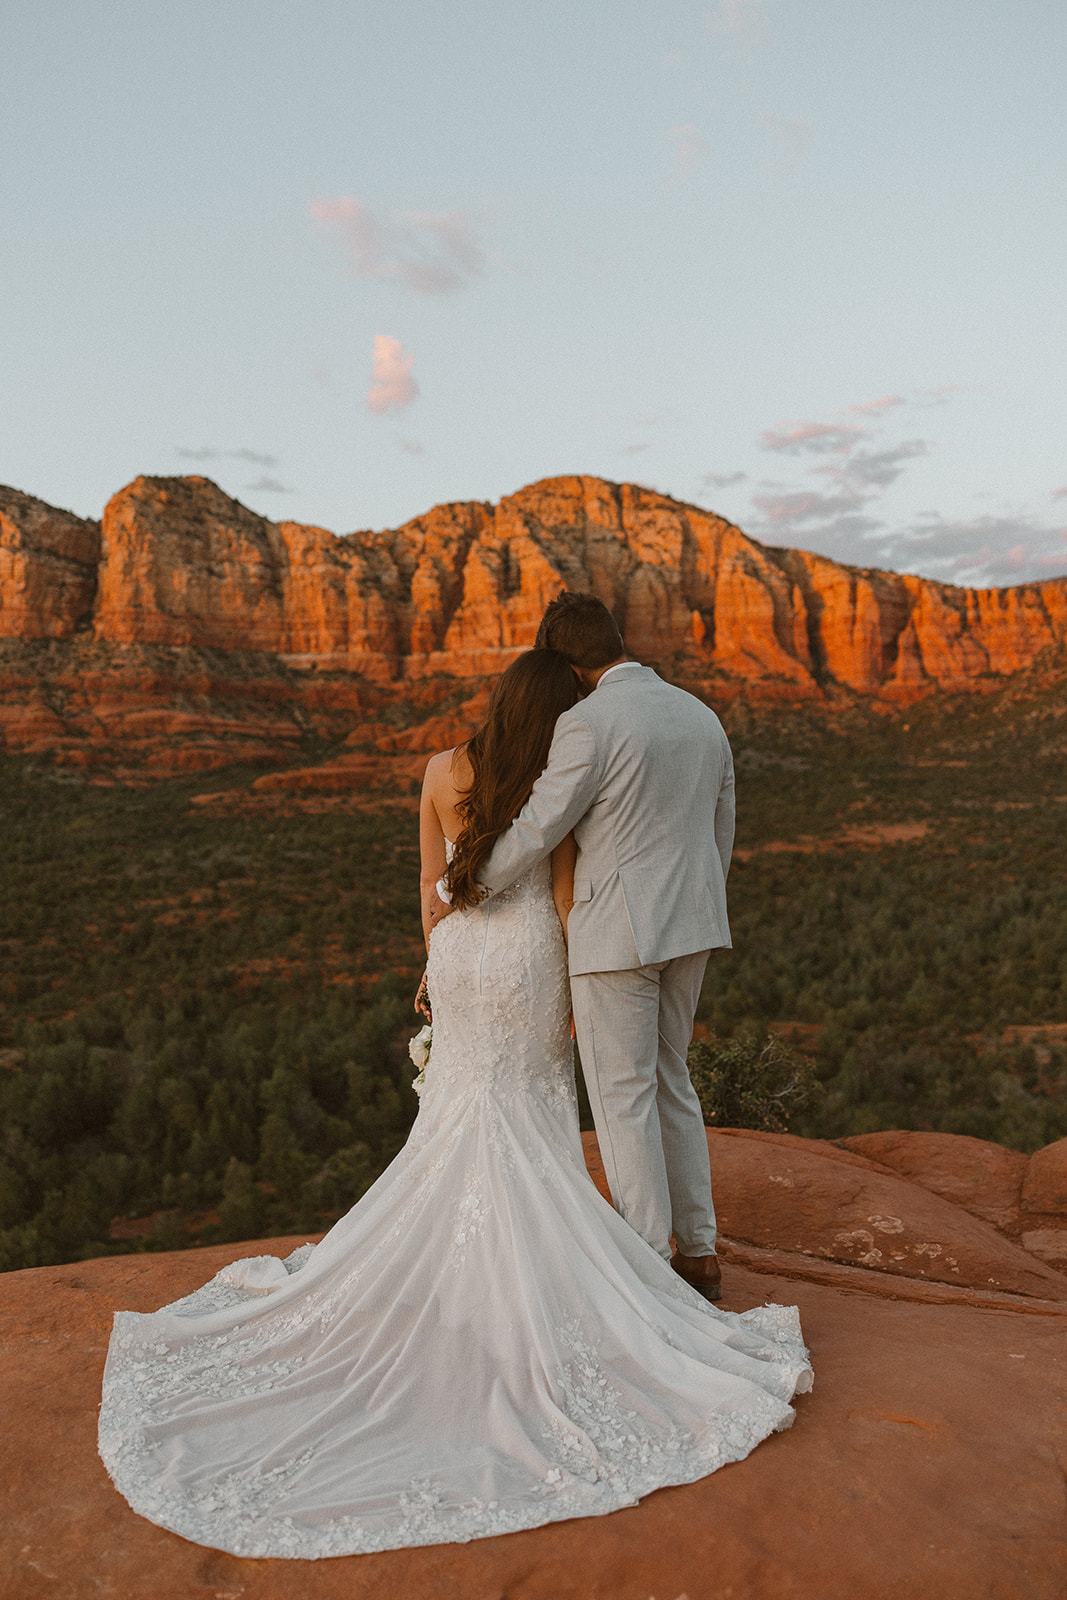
{"points": [[643, 774]]}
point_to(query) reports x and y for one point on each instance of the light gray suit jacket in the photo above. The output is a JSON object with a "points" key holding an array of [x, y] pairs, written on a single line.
{"points": [[643, 773]]}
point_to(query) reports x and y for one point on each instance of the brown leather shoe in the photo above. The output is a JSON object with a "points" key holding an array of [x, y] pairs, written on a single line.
{"points": [[701, 1273]]}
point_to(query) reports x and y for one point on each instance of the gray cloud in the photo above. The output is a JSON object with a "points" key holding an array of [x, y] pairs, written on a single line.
{"points": [[424, 252], [205, 453], [935, 397], [632, 449], [411, 447], [876, 468], [722, 480], [793, 508], [265, 485], [792, 133], [982, 552], [251, 455], [837, 517], [836, 525]]}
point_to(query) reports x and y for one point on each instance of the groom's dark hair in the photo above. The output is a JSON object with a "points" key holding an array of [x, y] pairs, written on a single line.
{"points": [[581, 628]]}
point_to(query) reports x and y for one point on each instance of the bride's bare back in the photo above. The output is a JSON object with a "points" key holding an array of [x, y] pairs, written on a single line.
{"points": [[448, 779]]}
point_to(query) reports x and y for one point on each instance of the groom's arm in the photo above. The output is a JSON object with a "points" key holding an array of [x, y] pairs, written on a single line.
{"points": [[724, 815], [560, 798]]}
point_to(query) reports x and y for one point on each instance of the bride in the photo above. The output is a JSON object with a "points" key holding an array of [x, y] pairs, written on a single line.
{"points": [[482, 1344]]}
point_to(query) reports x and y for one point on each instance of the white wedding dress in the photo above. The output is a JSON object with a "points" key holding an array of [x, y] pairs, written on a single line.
{"points": [[482, 1344]]}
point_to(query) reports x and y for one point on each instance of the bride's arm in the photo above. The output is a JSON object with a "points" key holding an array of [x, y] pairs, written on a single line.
{"points": [[563, 859], [432, 860]]}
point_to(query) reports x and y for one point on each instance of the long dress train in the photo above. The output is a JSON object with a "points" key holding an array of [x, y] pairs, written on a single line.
{"points": [[480, 1345]]}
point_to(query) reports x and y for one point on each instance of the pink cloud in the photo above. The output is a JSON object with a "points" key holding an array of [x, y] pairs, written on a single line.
{"points": [[392, 383], [425, 252], [820, 438], [885, 402], [1060, 493]]}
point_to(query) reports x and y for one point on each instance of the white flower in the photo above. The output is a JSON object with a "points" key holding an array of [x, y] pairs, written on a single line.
{"points": [[419, 1047], [419, 1051]]}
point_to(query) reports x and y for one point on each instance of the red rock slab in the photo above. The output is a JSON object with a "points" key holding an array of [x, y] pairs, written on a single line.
{"points": [[20, 724], [926, 1463], [830, 1149], [349, 771], [811, 1199], [984, 1178], [208, 755], [327, 778], [1048, 1243], [799, 1199], [785, 1264], [1045, 1184]]}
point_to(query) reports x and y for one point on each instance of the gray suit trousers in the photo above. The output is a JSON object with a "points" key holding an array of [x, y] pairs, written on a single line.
{"points": [[634, 1028]]}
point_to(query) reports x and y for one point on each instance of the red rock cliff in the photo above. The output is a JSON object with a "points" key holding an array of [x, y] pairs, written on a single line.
{"points": [[48, 568], [177, 562]]}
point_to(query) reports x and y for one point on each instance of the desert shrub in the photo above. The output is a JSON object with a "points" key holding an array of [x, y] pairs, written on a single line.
{"points": [[754, 1080]]}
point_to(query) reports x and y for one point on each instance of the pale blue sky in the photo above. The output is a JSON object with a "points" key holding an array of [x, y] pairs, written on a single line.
{"points": [[682, 242]]}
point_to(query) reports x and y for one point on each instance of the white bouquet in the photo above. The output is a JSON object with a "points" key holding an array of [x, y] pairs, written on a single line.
{"points": [[419, 1051]]}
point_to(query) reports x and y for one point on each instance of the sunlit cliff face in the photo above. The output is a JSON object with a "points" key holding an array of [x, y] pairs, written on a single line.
{"points": [[177, 562], [184, 613]]}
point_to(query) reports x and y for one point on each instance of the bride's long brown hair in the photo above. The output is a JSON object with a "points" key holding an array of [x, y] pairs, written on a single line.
{"points": [[507, 755]]}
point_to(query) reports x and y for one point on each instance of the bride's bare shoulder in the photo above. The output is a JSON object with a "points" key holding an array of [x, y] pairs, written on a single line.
{"points": [[448, 772], [438, 763]]}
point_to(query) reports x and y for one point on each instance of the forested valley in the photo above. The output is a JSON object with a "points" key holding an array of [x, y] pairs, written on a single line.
{"points": [[205, 1008]]}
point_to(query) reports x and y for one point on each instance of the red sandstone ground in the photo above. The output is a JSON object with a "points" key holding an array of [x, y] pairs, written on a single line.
{"points": [[928, 1462]]}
